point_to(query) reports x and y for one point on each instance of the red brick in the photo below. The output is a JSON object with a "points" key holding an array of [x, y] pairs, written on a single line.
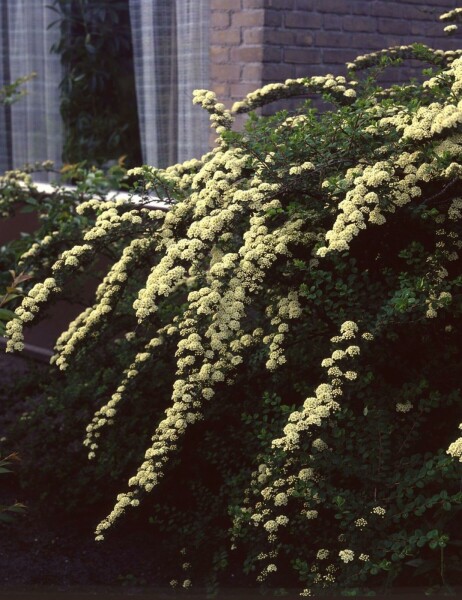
{"points": [[303, 20], [280, 72], [325, 39], [304, 4], [357, 23], [333, 6], [225, 5], [310, 70], [281, 4], [338, 57], [332, 22], [387, 8], [273, 18], [333, 69], [248, 18], [448, 43], [393, 26], [220, 19], [247, 54], [252, 72], [221, 89], [253, 4], [303, 39], [372, 41], [225, 37], [230, 72], [281, 37], [345, 7], [219, 54], [426, 28], [253, 35], [302, 55], [240, 90], [438, 3], [272, 54]]}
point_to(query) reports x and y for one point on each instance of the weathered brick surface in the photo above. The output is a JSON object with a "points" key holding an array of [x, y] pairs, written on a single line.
{"points": [[234, 5], [254, 42], [236, 47], [247, 18], [219, 54], [225, 37], [302, 55], [302, 19], [279, 72], [336, 57], [253, 4], [230, 72], [221, 19], [253, 72], [393, 26], [272, 54], [274, 18], [334, 22], [280, 37], [247, 54], [281, 4], [357, 23], [253, 36]]}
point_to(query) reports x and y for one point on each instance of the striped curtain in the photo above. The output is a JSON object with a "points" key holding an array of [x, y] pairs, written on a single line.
{"points": [[171, 49], [30, 130], [171, 46]]}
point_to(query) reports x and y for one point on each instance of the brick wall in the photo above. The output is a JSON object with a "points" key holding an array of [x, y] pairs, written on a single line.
{"points": [[254, 42], [236, 51]]}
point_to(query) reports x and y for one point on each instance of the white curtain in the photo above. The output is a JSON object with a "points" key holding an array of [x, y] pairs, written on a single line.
{"points": [[171, 51], [31, 129]]}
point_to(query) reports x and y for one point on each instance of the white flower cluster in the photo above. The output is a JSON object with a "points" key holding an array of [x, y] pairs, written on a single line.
{"points": [[220, 117], [105, 415], [321, 406], [337, 86], [376, 189], [109, 223], [346, 555], [287, 308], [107, 296], [404, 407], [403, 52], [452, 15], [378, 510], [390, 184], [455, 449], [30, 306], [361, 522]]}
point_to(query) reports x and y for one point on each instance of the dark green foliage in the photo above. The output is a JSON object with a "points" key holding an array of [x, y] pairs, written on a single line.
{"points": [[98, 102]]}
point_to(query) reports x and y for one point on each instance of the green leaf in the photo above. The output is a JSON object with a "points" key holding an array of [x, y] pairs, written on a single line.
{"points": [[5, 517], [7, 315]]}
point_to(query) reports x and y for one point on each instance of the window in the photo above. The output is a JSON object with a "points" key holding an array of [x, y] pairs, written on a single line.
{"points": [[170, 45]]}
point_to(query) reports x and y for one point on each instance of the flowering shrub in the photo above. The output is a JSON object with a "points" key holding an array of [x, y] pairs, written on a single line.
{"points": [[7, 512], [304, 289]]}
